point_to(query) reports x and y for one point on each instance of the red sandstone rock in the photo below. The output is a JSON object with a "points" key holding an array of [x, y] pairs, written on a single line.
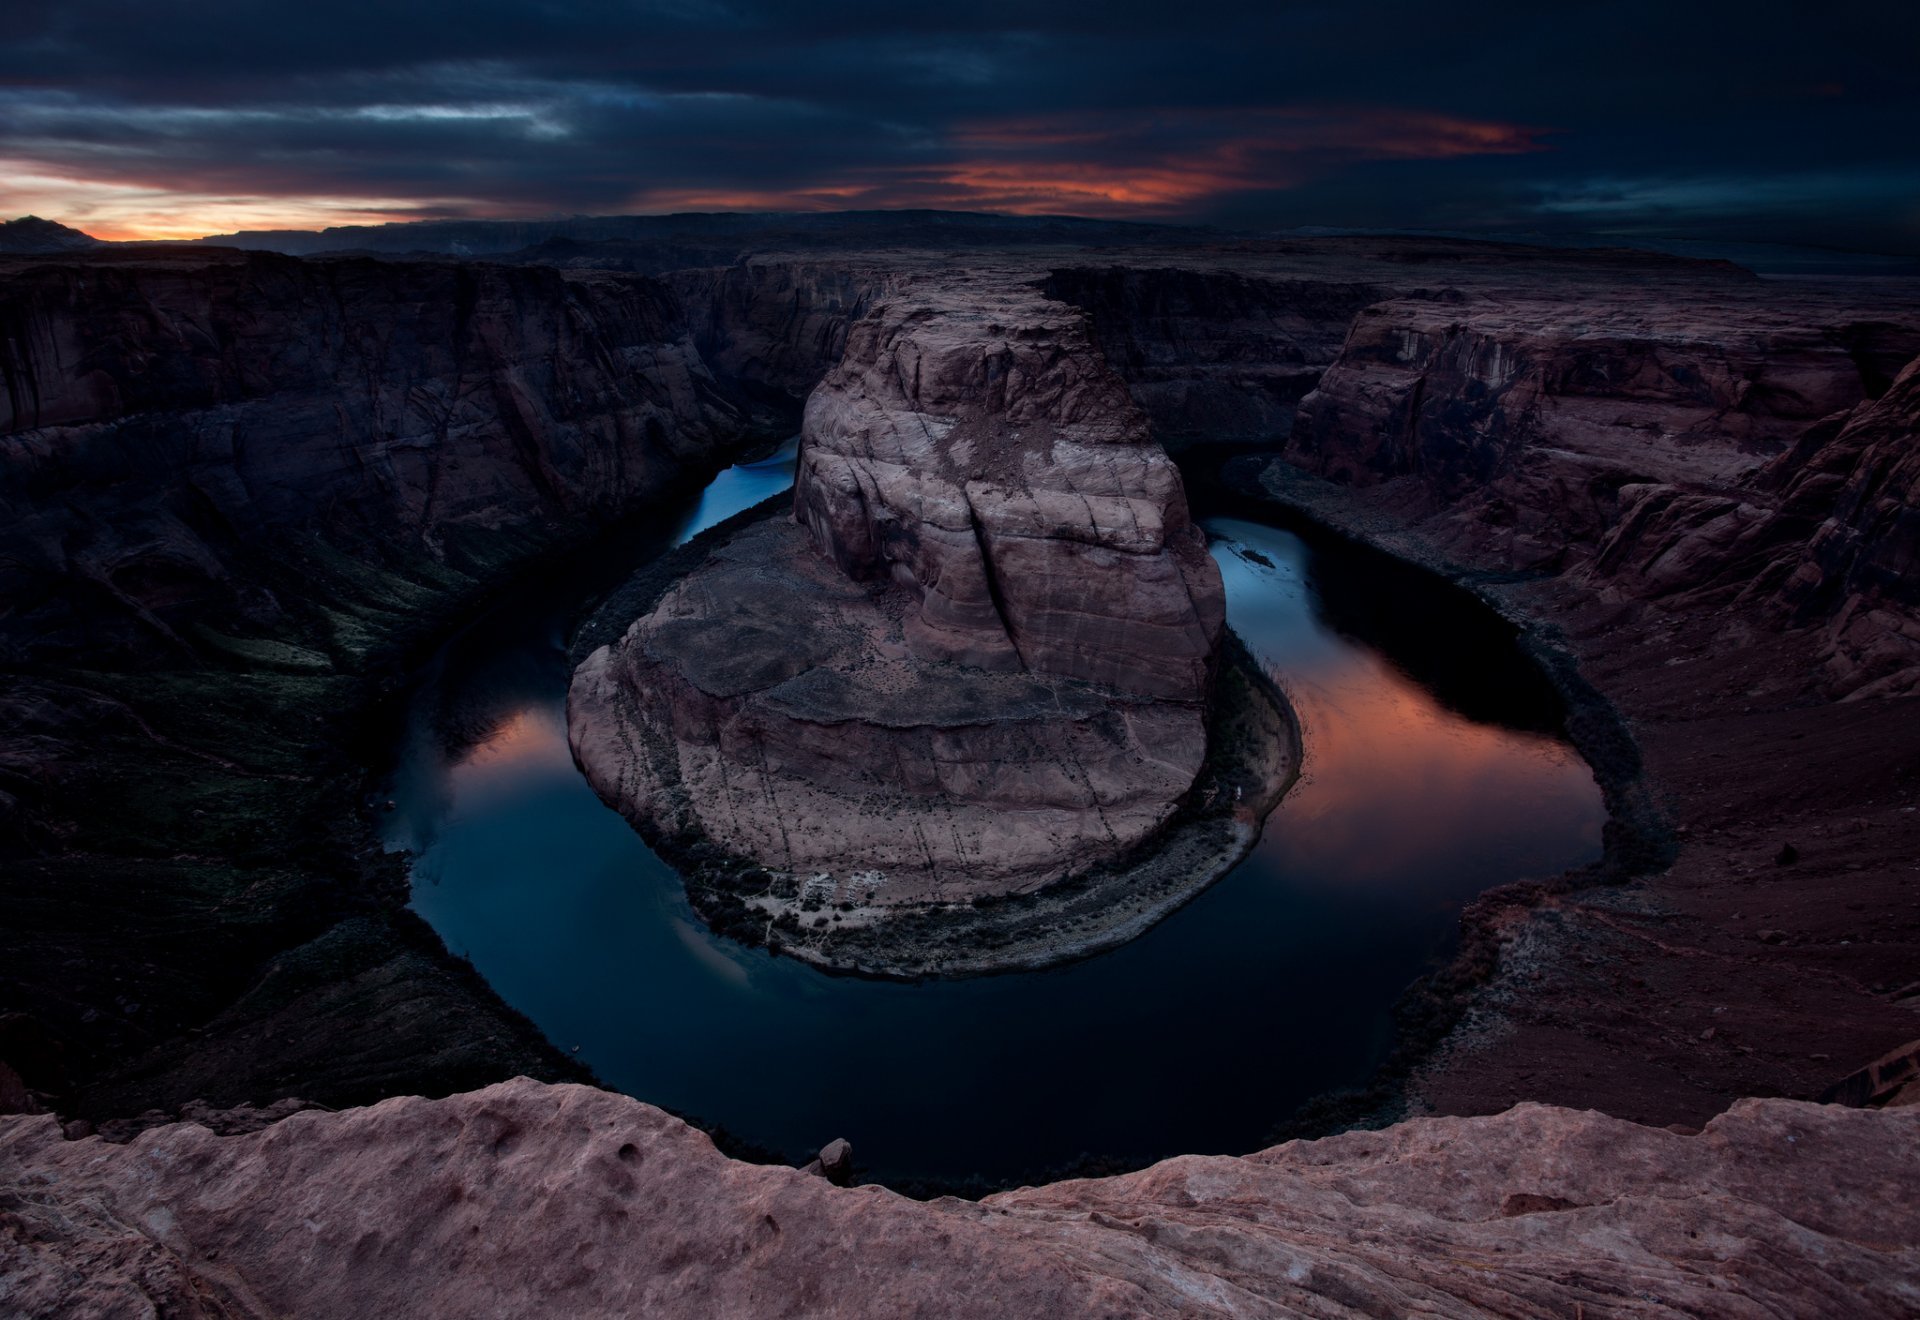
{"points": [[974, 447], [526, 1199], [776, 708], [989, 669]]}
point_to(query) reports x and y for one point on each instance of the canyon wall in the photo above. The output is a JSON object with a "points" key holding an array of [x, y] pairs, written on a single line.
{"points": [[773, 326], [1527, 414], [1681, 443], [166, 419], [1826, 534], [247, 505], [1215, 356], [527, 1199], [237, 491]]}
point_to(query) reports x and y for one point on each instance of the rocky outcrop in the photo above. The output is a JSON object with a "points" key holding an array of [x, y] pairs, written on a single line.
{"points": [[978, 663], [973, 447], [771, 705], [524, 1199]]}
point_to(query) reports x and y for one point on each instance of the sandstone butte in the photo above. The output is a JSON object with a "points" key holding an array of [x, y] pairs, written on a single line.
{"points": [[978, 656], [530, 1199]]}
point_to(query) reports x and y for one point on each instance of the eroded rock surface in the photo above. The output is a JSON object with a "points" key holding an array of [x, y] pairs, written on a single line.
{"points": [[532, 1199], [1696, 441], [979, 660], [974, 447]]}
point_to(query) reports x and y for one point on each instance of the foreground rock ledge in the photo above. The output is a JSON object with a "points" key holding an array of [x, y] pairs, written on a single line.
{"points": [[528, 1199]]}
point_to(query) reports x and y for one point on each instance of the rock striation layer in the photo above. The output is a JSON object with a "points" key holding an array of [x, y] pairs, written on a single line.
{"points": [[977, 661], [168, 416], [530, 1199]]}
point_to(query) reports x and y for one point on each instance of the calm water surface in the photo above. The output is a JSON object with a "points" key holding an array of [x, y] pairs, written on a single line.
{"points": [[1275, 985]]}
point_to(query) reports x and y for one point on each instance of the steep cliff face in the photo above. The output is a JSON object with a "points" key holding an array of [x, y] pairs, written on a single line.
{"points": [[1214, 356], [979, 662], [1524, 417], [233, 492], [1828, 534], [527, 1199], [167, 419], [775, 327], [1862, 565]]}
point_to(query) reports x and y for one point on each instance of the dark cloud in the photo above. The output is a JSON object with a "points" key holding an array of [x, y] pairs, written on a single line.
{"points": [[1782, 120]]}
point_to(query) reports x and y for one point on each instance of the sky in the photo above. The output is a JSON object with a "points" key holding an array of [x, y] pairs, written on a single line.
{"points": [[1773, 122]]}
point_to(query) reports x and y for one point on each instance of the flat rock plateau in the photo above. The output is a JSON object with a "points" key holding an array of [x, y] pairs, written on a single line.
{"points": [[243, 492]]}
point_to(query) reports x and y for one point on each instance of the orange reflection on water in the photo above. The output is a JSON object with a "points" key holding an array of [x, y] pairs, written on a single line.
{"points": [[528, 738], [1392, 778], [1399, 794]]}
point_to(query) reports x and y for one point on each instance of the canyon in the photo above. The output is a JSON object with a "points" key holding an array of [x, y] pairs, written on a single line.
{"points": [[244, 489]]}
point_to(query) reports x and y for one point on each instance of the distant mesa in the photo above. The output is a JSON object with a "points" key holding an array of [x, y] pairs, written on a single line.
{"points": [[30, 234], [710, 237]]}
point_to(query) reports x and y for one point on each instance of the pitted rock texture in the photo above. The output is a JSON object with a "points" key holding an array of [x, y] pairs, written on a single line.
{"points": [[983, 663], [525, 1199]]}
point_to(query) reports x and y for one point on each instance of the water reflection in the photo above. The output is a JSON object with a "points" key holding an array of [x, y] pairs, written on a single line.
{"points": [[1398, 791], [1273, 986]]}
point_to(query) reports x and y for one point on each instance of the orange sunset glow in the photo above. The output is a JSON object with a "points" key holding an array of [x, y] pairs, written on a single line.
{"points": [[119, 211], [1150, 164]]}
